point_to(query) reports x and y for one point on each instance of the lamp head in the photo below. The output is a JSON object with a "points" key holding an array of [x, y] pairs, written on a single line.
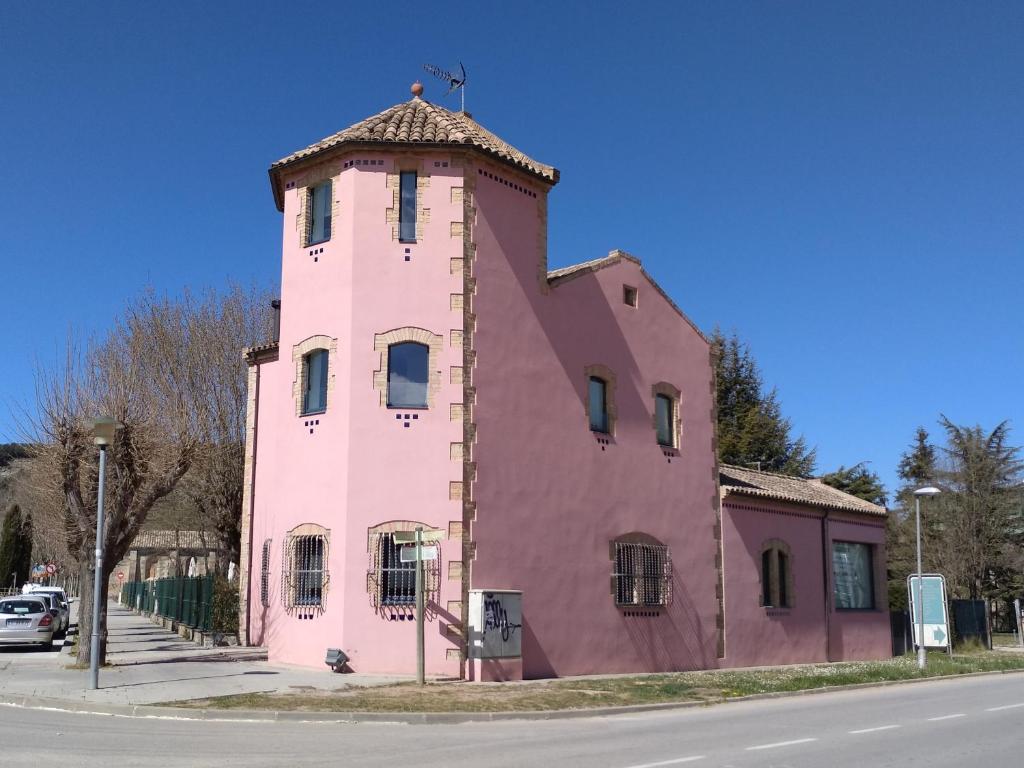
{"points": [[928, 490], [103, 430]]}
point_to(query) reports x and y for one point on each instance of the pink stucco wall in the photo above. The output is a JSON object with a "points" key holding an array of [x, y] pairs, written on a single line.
{"points": [[550, 497], [359, 466], [756, 635]]}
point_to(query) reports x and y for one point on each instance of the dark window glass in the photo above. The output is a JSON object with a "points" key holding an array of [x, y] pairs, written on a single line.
{"points": [[398, 579], [407, 211], [320, 213], [766, 577], [783, 579], [598, 404], [852, 575], [663, 418], [309, 570], [314, 398], [408, 365]]}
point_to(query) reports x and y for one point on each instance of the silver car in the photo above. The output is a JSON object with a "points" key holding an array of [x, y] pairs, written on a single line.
{"points": [[60, 600], [26, 619]]}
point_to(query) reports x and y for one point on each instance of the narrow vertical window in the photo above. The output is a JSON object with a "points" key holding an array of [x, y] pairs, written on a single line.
{"points": [[265, 575], [766, 577], [783, 579], [407, 210], [320, 213], [664, 416], [408, 371], [314, 395], [598, 404]]}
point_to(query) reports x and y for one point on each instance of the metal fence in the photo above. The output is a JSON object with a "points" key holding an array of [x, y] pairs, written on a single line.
{"points": [[185, 600]]}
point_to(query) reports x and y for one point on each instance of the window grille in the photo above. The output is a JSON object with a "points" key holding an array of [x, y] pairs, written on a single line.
{"points": [[391, 582], [304, 574], [643, 574], [265, 575]]}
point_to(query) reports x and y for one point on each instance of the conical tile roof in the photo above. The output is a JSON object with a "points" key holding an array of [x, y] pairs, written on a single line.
{"points": [[420, 123]]}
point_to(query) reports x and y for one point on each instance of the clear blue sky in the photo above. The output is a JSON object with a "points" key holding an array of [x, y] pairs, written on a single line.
{"points": [[840, 183]]}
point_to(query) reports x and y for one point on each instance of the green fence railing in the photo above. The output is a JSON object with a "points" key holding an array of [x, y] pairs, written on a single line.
{"points": [[186, 600]]}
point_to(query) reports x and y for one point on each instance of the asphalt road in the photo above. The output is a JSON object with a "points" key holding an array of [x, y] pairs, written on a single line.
{"points": [[934, 724]]}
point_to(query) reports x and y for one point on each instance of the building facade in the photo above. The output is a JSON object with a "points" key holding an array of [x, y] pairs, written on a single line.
{"points": [[552, 429]]}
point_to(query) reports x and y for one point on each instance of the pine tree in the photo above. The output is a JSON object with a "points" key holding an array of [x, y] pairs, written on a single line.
{"points": [[23, 563], [752, 432], [857, 481]]}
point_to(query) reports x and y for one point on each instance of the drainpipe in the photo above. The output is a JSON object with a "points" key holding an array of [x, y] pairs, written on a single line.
{"points": [[826, 563], [252, 505]]}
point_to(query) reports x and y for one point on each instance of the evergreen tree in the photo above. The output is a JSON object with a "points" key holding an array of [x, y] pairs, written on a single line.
{"points": [[857, 481], [23, 563], [917, 467], [11, 545], [752, 432]]}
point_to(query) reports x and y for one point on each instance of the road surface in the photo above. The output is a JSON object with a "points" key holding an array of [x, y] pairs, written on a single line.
{"points": [[943, 723]]}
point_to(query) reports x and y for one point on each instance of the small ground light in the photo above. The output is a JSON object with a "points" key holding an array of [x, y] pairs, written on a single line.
{"points": [[336, 659]]}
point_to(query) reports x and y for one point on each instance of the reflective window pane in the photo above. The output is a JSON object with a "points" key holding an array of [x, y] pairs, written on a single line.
{"points": [[663, 419], [598, 405], [314, 399], [407, 212], [320, 213], [852, 576], [408, 364]]}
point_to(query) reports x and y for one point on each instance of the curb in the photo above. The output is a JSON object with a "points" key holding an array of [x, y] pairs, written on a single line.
{"points": [[151, 711]]}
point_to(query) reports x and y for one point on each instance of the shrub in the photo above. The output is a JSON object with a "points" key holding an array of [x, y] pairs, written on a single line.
{"points": [[225, 606]]}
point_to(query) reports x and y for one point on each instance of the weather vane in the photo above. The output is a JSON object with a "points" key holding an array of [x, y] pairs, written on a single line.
{"points": [[455, 82]]}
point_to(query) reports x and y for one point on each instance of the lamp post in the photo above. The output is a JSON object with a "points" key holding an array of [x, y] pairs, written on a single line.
{"points": [[103, 430], [921, 653]]}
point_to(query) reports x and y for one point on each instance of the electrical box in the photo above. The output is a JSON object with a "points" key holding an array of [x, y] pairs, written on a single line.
{"points": [[495, 624]]}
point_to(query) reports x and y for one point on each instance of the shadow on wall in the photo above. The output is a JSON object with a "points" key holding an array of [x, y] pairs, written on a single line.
{"points": [[535, 661], [676, 639]]}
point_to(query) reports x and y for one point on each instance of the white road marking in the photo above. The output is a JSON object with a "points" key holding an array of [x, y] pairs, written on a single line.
{"points": [[877, 728], [1007, 706], [780, 744], [677, 761], [945, 717]]}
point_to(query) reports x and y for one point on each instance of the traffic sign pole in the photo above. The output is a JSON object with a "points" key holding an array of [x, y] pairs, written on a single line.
{"points": [[419, 606]]}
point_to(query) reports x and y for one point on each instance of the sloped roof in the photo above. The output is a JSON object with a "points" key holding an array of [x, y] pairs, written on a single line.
{"points": [[420, 123], [156, 539], [565, 274], [752, 482]]}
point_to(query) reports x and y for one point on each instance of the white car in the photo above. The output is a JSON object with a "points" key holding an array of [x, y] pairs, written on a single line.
{"points": [[60, 602]]}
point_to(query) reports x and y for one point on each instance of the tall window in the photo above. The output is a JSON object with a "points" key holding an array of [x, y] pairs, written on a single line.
{"points": [[320, 213], [853, 580], [314, 394], [776, 577], [642, 575], [664, 420], [408, 372], [598, 396], [304, 570], [407, 208], [397, 579]]}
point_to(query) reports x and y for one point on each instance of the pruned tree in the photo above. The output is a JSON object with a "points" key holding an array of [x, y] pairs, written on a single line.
{"points": [[224, 326], [144, 374], [752, 432]]}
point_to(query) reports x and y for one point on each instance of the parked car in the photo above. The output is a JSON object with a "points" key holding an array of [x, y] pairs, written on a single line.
{"points": [[26, 620], [53, 605], [62, 602]]}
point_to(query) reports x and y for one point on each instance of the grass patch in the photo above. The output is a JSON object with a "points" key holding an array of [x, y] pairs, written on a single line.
{"points": [[585, 693]]}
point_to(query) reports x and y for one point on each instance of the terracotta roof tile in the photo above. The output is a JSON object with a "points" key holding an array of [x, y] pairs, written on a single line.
{"points": [[417, 121], [157, 539], [752, 482]]}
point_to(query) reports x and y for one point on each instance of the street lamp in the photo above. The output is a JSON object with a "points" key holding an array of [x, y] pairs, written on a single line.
{"points": [[103, 430], [921, 653]]}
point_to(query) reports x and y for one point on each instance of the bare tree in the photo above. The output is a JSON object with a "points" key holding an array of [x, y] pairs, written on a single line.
{"points": [[224, 325], [145, 374]]}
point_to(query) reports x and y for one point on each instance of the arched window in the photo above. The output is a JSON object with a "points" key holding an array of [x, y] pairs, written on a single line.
{"points": [[664, 416], [390, 579], [776, 575], [314, 374], [408, 371], [642, 572], [304, 574]]}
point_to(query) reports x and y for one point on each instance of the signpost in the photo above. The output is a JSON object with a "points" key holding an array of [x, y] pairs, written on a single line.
{"points": [[418, 554], [935, 613]]}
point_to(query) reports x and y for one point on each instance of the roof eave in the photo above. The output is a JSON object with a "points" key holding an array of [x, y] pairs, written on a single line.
{"points": [[881, 512], [349, 145]]}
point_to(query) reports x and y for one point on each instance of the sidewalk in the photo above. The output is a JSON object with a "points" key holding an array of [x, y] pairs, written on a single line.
{"points": [[149, 665]]}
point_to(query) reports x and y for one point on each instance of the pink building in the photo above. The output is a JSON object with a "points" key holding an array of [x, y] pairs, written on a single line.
{"points": [[554, 430]]}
